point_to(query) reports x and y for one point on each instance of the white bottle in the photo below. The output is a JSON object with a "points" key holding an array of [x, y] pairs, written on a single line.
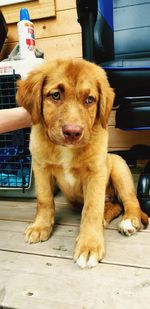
{"points": [[26, 35]]}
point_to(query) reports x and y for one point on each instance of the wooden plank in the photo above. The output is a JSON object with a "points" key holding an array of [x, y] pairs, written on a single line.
{"points": [[25, 211], [61, 243], [45, 28], [68, 46], [17, 210], [43, 283], [111, 121], [126, 139], [65, 4], [64, 214], [120, 139], [119, 249], [37, 9]]}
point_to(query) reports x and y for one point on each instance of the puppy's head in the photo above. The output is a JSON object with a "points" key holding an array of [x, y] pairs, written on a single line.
{"points": [[68, 97]]}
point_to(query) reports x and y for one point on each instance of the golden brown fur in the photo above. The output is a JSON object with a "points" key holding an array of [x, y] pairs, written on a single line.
{"points": [[70, 102]]}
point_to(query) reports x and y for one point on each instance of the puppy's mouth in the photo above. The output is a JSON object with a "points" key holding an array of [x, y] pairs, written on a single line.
{"points": [[69, 142], [72, 142], [73, 137]]}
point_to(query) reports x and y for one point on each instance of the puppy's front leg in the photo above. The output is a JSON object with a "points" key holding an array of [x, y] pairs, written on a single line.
{"points": [[41, 228], [90, 242]]}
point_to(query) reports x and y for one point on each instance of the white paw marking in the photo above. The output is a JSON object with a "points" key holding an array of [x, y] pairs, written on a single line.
{"points": [[81, 261], [92, 262], [126, 227]]}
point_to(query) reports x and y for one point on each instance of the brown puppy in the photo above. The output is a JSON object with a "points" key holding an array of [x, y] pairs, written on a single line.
{"points": [[70, 102]]}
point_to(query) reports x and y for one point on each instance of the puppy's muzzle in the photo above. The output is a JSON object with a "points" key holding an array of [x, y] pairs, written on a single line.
{"points": [[72, 133]]}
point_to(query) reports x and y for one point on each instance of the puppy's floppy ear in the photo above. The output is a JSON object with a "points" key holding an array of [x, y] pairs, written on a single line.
{"points": [[29, 94], [107, 96]]}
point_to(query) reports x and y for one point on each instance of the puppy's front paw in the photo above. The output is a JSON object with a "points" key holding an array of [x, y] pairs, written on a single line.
{"points": [[129, 226], [89, 252], [36, 233]]}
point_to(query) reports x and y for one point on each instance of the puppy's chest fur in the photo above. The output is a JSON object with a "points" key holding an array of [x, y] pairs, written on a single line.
{"points": [[66, 158], [68, 176]]}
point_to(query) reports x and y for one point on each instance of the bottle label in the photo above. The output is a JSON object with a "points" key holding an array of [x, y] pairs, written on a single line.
{"points": [[30, 42], [26, 39]]}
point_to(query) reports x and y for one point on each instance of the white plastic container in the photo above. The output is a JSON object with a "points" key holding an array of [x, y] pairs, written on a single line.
{"points": [[26, 35]]}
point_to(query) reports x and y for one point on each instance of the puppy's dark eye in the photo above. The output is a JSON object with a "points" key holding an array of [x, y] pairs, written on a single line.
{"points": [[56, 96], [89, 100]]}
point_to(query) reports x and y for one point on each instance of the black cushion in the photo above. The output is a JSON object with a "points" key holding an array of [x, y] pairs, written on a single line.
{"points": [[134, 113], [129, 77]]}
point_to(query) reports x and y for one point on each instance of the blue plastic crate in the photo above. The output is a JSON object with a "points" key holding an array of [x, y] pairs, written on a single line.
{"points": [[15, 158]]}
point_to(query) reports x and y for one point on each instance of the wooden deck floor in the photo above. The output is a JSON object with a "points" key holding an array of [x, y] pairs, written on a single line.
{"points": [[44, 275]]}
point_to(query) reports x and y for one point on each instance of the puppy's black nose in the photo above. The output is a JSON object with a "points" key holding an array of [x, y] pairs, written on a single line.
{"points": [[72, 132]]}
